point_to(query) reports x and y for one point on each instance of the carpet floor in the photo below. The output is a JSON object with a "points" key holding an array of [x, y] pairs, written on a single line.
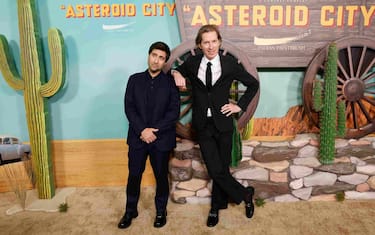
{"points": [[98, 210]]}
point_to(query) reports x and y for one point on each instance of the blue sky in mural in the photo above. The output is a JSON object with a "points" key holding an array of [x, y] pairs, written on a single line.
{"points": [[101, 53]]}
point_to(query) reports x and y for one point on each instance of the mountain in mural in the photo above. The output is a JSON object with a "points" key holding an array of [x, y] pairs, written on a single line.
{"points": [[294, 122]]}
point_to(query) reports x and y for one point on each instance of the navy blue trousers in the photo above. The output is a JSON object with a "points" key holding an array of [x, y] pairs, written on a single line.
{"points": [[137, 163]]}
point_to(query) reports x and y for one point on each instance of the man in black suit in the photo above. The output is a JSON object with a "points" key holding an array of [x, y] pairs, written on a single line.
{"points": [[211, 75], [152, 106]]}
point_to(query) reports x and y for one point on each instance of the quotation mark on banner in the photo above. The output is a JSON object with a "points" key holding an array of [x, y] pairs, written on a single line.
{"points": [[186, 8]]}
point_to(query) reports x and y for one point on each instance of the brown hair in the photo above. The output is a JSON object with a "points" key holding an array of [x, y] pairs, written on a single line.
{"points": [[205, 29], [160, 46]]}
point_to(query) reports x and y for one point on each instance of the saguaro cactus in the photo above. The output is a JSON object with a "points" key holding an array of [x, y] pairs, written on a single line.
{"points": [[35, 87], [328, 118]]}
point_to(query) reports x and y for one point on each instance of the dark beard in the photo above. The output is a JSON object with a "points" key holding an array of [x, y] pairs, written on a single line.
{"points": [[154, 72]]}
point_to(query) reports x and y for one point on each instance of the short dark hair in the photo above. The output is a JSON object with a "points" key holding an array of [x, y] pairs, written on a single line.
{"points": [[205, 29], [160, 46]]}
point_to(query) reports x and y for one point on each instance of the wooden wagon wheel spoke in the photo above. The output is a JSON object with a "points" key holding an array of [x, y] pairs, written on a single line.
{"points": [[361, 61], [350, 61], [370, 66], [347, 110], [369, 86], [354, 115], [186, 49], [355, 83], [372, 84], [340, 96], [364, 110], [340, 80], [369, 76], [342, 69], [370, 101]]}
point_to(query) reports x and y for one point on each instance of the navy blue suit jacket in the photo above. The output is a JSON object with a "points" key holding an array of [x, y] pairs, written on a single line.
{"points": [[165, 112]]}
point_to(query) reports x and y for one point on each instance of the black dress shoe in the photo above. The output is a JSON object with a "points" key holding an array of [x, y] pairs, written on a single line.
{"points": [[160, 220], [249, 209], [126, 220], [213, 218], [249, 205], [222, 207]]}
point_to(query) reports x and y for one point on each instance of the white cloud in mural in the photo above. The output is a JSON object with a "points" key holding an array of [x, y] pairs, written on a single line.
{"points": [[117, 27]]}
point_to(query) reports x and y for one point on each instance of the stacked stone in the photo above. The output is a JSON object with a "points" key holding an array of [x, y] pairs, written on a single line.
{"points": [[282, 171]]}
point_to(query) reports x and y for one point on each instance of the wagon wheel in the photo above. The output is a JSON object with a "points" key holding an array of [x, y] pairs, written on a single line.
{"points": [[355, 84], [188, 48]]}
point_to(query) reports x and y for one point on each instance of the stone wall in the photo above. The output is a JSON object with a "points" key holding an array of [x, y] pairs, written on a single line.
{"points": [[282, 171]]}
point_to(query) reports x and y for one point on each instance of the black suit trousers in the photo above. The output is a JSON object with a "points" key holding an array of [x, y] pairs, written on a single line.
{"points": [[137, 162], [216, 150]]}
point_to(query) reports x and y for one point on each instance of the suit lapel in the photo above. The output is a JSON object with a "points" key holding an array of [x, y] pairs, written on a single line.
{"points": [[195, 67], [223, 70]]}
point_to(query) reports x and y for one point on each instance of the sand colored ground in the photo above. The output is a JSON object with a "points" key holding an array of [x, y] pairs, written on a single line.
{"points": [[98, 210]]}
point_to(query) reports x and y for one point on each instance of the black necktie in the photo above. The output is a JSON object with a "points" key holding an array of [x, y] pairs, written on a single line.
{"points": [[208, 76]]}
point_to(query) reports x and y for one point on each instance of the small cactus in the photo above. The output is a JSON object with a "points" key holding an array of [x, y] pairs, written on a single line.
{"points": [[259, 202], [340, 196], [63, 207]]}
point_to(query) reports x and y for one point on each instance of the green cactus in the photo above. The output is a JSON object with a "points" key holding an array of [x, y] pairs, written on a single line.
{"points": [[236, 136], [35, 87], [247, 131], [236, 146], [318, 100], [327, 105], [341, 120]]}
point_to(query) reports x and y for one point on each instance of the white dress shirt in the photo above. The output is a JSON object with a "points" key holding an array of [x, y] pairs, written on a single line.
{"points": [[216, 72]]}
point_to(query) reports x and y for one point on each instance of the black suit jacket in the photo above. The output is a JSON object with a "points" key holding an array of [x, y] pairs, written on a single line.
{"points": [[165, 112], [219, 93]]}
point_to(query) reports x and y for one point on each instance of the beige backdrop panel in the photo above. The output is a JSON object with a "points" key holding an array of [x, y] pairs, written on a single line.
{"points": [[89, 163]]}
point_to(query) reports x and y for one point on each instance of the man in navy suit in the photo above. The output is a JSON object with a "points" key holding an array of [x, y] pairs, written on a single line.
{"points": [[152, 106], [211, 75]]}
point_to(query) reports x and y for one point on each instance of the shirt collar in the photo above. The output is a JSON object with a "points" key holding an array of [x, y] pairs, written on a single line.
{"points": [[149, 75], [214, 61]]}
